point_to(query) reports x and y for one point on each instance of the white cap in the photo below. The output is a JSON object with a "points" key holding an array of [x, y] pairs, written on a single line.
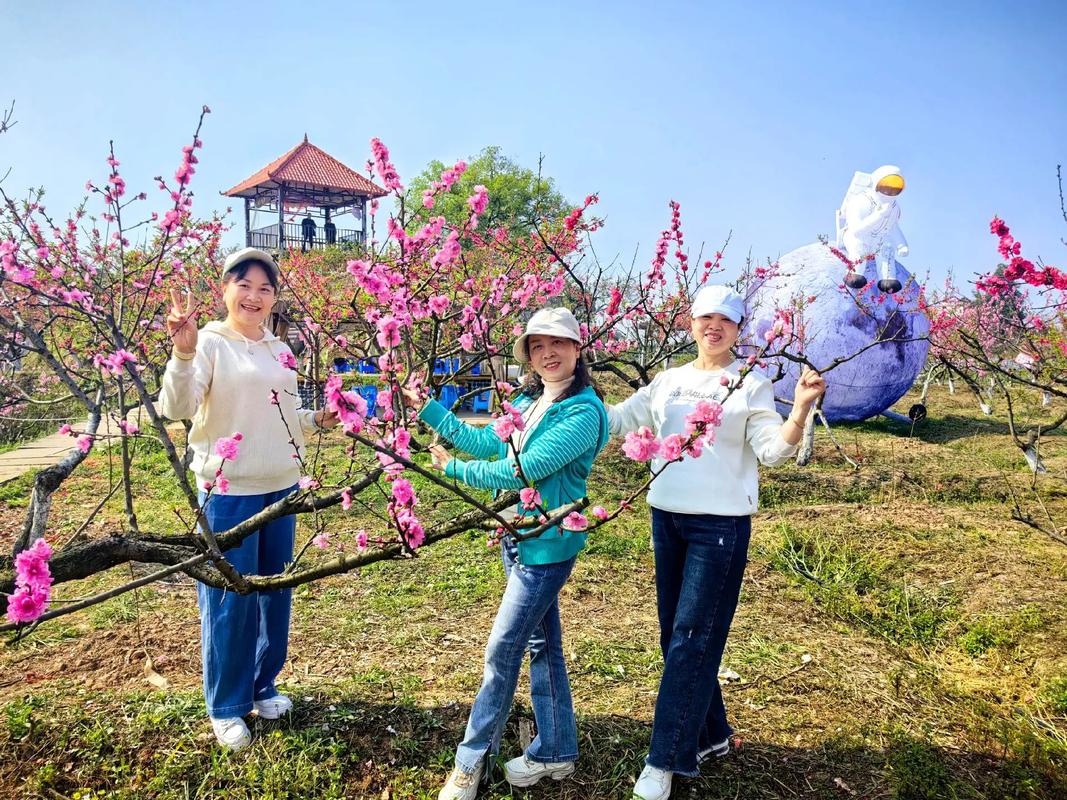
{"points": [[547, 322], [250, 254], [718, 300]]}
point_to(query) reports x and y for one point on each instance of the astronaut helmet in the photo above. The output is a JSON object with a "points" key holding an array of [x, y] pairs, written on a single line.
{"points": [[888, 181]]}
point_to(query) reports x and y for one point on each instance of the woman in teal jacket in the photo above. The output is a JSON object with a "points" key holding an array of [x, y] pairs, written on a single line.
{"points": [[565, 426]]}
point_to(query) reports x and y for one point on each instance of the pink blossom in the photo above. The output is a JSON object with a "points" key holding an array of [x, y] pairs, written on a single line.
{"points": [[361, 539], [31, 570], [672, 446], [529, 497], [724, 380], [349, 406], [503, 427], [222, 484], [346, 499], [641, 445], [575, 522], [479, 200], [287, 360], [599, 512], [438, 304], [26, 605], [307, 482], [226, 447], [64, 430], [403, 493], [705, 414], [322, 540], [466, 341], [84, 442], [388, 332]]}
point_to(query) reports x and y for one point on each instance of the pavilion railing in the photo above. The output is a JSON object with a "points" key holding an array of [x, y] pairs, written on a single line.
{"points": [[298, 239]]}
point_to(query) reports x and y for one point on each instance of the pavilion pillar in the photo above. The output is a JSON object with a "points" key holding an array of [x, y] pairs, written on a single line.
{"points": [[281, 219], [248, 225]]}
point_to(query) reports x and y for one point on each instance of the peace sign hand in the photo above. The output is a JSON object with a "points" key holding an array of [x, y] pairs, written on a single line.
{"points": [[181, 323]]}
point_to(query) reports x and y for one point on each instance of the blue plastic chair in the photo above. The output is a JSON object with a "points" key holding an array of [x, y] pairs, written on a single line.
{"points": [[448, 395], [439, 366], [342, 365], [477, 369], [481, 402], [368, 367], [453, 366]]}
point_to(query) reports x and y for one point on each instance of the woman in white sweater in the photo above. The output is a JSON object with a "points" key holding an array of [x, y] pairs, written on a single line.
{"points": [[701, 509], [236, 377]]}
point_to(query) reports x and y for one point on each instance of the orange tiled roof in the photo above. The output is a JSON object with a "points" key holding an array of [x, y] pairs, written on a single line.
{"points": [[307, 164]]}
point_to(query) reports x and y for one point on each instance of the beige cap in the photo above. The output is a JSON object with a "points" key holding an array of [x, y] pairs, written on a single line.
{"points": [[547, 322], [250, 254]]}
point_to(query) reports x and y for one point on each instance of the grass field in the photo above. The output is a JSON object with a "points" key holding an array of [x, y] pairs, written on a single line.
{"points": [[898, 636]]}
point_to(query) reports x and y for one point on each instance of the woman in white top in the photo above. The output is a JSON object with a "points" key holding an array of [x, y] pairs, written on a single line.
{"points": [[236, 377], [701, 509]]}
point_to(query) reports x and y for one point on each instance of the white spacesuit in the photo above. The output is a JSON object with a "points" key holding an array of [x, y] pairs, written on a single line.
{"points": [[867, 225]]}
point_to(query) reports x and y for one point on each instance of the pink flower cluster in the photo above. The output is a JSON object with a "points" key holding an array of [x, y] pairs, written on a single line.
{"points": [[349, 406], [226, 447], [287, 359], [402, 510], [448, 178], [390, 177], [508, 422], [33, 584], [114, 362], [530, 498], [478, 201], [1018, 268], [781, 326], [700, 425], [575, 522]]}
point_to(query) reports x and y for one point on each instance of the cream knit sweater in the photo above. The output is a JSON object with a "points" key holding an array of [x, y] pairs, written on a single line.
{"points": [[226, 388]]}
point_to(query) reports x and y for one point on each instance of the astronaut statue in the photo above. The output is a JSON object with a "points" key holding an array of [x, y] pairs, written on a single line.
{"points": [[867, 226]]}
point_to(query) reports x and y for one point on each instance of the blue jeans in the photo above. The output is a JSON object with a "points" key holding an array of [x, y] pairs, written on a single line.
{"points": [[700, 559], [528, 618], [244, 639]]}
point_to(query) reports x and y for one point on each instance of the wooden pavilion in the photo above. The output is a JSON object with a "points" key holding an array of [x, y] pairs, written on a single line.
{"points": [[309, 183]]}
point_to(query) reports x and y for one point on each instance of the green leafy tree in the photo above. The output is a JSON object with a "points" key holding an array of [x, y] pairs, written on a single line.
{"points": [[517, 195]]}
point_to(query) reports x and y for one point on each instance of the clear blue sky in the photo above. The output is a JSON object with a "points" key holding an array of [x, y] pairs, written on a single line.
{"points": [[752, 115]]}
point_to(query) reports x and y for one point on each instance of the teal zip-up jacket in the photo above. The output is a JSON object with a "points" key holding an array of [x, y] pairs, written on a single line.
{"points": [[557, 456]]}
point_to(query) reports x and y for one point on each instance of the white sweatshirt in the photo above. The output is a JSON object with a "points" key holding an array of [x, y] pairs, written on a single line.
{"points": [[724, 479], [226, 388]]}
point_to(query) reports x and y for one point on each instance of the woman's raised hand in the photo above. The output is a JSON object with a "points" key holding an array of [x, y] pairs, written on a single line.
{"points": [[440, 457], [181, 323], [809, 388], [411, 395]]}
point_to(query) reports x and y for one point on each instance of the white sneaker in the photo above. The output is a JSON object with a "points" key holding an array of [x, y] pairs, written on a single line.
{"points": [[715, 751], [231, 732], [461, 785], [654, 784], [273, 707], [522, 771]]}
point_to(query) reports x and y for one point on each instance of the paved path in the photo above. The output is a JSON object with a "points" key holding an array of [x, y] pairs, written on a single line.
{"points": [[50, 449], [43, 452]]}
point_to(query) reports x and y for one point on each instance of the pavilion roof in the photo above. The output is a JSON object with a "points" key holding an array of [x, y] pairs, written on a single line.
{"points": [[309, 166]]}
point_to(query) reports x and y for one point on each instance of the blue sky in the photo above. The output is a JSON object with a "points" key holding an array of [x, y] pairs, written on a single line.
{"points": [[752, 115]]}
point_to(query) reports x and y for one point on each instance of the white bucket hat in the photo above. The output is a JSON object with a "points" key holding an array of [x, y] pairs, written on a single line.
{"points": [[718, 300], [547, 322], [251, 254]]}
